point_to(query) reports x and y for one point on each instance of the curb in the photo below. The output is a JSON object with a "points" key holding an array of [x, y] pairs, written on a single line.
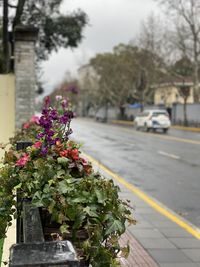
{"points": [[177, 127]]}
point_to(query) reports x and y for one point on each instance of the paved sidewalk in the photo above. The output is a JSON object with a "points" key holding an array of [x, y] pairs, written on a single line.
{"points": [[157, 241]]}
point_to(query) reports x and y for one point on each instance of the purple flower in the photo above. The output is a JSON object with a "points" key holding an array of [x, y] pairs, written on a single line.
{"points": [[54, 114], [44, 150], [40, 135]]}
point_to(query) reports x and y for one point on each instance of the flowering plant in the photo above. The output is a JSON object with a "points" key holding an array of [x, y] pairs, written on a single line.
{"points": [[53, 174]]}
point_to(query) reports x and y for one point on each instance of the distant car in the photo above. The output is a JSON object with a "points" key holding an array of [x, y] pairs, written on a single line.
{"points": [[153, 120]]}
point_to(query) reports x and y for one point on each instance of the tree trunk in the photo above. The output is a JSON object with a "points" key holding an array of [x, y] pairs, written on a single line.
{"points": [[196, 82], [185, 112], [19, 12]]}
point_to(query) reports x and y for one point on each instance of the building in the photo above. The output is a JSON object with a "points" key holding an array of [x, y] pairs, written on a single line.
{"points": [[174, 92]]}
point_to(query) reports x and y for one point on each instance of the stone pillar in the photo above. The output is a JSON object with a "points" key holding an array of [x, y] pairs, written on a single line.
{"points": [[24, 68]]}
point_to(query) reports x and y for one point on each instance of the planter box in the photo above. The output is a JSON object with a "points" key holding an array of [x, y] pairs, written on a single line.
{"points": [[35, 251]]}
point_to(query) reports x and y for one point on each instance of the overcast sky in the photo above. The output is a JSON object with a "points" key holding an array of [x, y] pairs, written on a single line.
{"points": [[110, 22]]}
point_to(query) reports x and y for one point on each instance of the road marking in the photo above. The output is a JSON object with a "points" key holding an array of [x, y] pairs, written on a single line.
{"points": [[168, 155], [153, 203]]}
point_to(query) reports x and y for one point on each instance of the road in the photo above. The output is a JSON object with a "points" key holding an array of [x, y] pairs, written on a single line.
{"points": [[165, 166]]}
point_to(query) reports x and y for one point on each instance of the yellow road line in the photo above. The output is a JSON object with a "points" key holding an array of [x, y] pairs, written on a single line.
{"points": [[158, 207], [172, 138], [191, 129]]}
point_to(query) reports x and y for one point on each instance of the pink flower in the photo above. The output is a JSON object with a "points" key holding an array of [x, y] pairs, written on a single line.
{"points": [[58, 97], [35, 119], [23, 160], [37, 144], [26, 125], [84, 161]]}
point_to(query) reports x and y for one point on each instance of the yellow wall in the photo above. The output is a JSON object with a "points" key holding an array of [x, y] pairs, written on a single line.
{"points": [[7, 108]]}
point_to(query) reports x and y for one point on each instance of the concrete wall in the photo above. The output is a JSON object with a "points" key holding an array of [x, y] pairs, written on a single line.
{"points": [[7, 108], [193, 114]]}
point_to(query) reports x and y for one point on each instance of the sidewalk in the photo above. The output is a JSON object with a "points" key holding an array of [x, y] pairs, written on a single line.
{"points": [[160, 238]]}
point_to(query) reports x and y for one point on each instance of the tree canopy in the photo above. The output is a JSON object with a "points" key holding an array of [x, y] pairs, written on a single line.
{"points": [[55, 28]]}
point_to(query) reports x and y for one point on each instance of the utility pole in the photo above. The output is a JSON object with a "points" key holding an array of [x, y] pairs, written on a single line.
{"points": [[5, 37]]}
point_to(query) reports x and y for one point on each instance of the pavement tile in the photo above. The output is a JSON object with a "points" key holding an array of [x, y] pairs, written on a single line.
{"points": [[142, 224], [193, 254], [138, 257], [180, 264], [145, 210], [154, 217], [156, 243], [146, 233], [175, 232], [164, 224], [186, 242], [169, 256]]}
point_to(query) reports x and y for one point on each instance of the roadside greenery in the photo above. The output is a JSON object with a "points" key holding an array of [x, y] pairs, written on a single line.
{"points": [[55, 177]]}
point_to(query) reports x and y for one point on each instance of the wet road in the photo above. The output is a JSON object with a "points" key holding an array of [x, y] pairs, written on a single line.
{"points": [[165, 166]]}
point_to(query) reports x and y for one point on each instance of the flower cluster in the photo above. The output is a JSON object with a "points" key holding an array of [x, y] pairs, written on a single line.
{"points": [[52, 141], [55, 123]]}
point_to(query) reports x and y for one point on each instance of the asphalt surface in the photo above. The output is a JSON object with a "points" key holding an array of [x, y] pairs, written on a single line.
{"points": [[165, 166]]}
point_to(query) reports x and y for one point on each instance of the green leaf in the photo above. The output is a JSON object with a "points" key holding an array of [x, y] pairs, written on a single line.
{"points": [[62, 187], [100, 196], [60, 173], [18, 186], [115, 226], [90, 212], [64, 229], [63, 161]]}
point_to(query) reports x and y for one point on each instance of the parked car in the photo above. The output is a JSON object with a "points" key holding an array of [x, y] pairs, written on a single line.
{"points": [[153, 120]]}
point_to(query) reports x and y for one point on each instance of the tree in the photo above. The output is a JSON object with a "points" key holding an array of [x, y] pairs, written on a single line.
{"points": [[116, 73], [55, 29], [183, 69], [185, 15]]}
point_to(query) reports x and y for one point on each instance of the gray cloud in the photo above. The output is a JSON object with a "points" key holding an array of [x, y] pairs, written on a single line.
{"points": [[110, 22]]}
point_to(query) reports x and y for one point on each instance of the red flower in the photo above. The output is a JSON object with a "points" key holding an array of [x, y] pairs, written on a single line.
{"points": [[74, 154], [37, 144], [64, 153], [23, 160]]}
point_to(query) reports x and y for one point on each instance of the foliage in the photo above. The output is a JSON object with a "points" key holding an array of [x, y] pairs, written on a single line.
{"points": [[55, 28], [54, 175], [125, 75], [183, 67]]}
